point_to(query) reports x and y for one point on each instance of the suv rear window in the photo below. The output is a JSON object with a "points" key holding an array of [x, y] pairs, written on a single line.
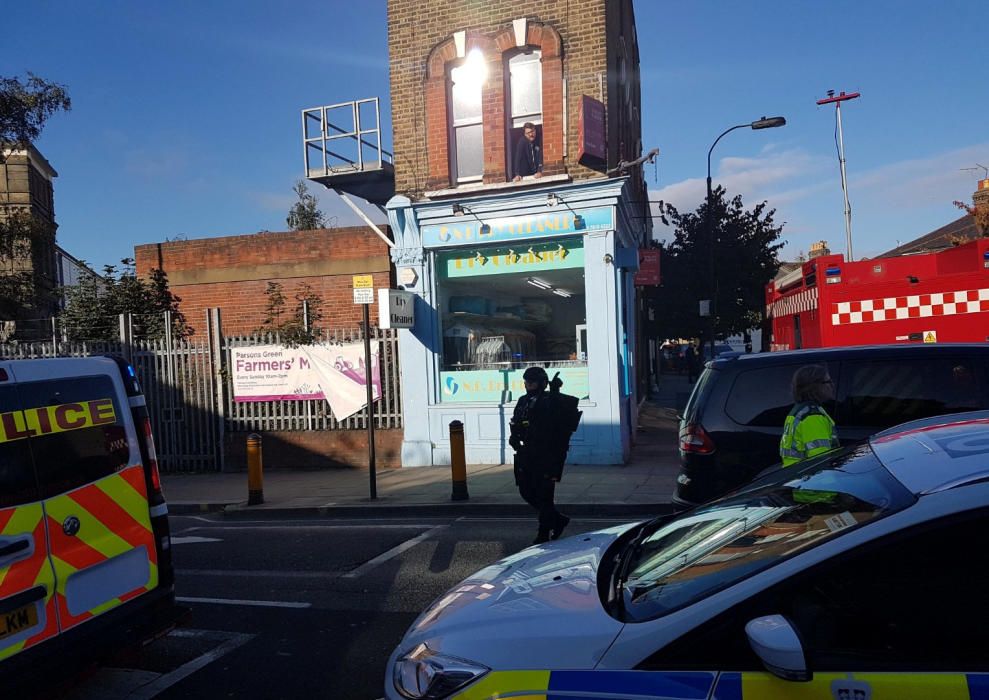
{"points": [[699, 395], [762, 397], [881, 394], [81, 437]]}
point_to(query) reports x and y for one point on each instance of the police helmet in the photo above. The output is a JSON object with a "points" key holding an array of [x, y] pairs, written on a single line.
{"points": [[535, 374]]}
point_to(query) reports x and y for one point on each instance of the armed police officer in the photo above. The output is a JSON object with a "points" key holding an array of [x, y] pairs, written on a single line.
{"points": [[540, 435]]}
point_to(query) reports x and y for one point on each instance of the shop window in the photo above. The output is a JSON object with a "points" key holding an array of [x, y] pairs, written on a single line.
{"points": [[466, 129], [508, 307], [525, 97]]}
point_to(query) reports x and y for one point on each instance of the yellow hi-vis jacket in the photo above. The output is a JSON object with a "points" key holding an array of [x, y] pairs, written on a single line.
{"points": [[808, 431]]}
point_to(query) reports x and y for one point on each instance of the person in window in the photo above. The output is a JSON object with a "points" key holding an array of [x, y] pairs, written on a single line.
{"points": [[528, 155], [809, 430], [541, 426]]}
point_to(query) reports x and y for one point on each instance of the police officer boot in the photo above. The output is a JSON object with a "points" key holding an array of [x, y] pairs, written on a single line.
{"points": [[561, 522], [541, 536]]}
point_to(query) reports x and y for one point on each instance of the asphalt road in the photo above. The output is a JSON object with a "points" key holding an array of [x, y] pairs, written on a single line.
{"points": [[303, 608]]}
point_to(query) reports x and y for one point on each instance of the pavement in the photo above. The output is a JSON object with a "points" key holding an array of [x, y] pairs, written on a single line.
{"points": [[643, 486]]}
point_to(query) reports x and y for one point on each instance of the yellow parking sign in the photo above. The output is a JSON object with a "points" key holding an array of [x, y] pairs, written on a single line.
{"points": [[363, 282]]}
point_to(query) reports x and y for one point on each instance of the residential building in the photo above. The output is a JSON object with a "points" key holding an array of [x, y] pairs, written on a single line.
{"points": [[512, 268]]}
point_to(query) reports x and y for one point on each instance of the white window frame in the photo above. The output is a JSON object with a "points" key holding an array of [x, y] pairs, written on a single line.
{"points": [[455, 125]]}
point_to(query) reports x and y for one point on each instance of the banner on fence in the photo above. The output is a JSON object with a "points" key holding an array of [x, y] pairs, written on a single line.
{"points": [[332, 372]]}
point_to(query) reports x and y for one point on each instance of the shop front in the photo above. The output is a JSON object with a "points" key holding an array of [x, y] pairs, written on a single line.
{"points": [[506, 282]]}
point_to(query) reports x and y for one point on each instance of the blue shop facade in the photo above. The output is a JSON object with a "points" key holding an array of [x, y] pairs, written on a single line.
{"points": [[509, 280]]}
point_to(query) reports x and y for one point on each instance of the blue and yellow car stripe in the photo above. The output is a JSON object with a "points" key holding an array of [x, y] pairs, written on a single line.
{"points": [[585, 685], [700, 685]]}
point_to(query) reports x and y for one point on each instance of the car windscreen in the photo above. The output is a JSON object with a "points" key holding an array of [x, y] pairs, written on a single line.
{"points": [[675, 563]]}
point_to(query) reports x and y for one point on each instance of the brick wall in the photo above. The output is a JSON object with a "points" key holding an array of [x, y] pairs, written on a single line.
{"points": [[232, 273], [317, 449], [579, 41]]}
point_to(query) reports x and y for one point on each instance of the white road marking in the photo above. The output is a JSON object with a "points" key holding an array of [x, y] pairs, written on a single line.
{"points": [[479, 519], [259, 573], [393, 552], [134, 684], [187, 669], [252, 603], [296, 528], [194, 540]]}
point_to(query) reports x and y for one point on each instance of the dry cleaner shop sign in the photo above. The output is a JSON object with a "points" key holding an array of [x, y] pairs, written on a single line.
{"points": [[396, 309]]}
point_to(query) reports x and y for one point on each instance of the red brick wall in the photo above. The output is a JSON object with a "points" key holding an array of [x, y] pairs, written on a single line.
{"points": [[232, 273], [575, 41], [317, 449]]}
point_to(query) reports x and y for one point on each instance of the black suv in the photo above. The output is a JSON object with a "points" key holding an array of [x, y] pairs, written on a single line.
{"points": [[731, 427]]}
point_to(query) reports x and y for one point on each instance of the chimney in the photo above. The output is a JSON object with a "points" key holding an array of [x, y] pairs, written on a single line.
{"points": [[980, 207], [818, 249], [980, 198]]}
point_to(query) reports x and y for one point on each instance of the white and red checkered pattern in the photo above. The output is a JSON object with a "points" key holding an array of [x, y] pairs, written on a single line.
{"points": [[971, 301], [805, 300]]}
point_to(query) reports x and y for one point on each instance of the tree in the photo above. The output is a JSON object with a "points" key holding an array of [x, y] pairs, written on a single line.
{"points": [[746, 244], [20, 234], [26, 106], [304, 214], [980, 214], [93, 307], [298, 327]]}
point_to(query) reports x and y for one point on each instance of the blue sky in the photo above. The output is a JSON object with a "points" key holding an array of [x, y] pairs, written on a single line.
{"points": [[186, 115]]}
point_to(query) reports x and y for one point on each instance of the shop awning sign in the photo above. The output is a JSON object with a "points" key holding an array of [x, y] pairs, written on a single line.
{"points": [[515, 228], [648, 274]]}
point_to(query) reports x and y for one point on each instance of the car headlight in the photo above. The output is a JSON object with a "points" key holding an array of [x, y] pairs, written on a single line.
{"points": [[422, 674]]}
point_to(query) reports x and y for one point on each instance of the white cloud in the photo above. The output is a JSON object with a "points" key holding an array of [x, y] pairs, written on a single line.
{"points": [[921, 182], [778, 175]]}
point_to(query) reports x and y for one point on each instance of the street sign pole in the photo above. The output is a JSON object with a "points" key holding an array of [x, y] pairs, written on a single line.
{"points": [[370, 403], [364, 295]]}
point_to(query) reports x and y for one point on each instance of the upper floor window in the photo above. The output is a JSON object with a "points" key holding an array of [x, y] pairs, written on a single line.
{"points": [[526, 88], [525, 97], [466, 129]]}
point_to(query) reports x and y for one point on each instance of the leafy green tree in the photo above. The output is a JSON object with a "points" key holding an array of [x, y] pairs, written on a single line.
{"points": [[745, 256], [26, 106], [20, 235], [298, 326], [93, 307], [304, 214]]}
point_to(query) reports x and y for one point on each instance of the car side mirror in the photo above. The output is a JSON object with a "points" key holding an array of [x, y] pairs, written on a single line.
{"points": [[775, 642]]}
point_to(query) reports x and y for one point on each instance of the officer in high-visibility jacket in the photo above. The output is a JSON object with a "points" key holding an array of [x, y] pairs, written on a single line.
{"points": [[809, 430]]}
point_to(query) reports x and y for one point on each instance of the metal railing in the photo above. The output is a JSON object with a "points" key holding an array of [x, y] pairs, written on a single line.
{"points": [[338, 139]]}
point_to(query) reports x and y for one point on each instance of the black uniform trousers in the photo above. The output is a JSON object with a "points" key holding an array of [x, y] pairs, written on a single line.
{"points": [[538, 490]]}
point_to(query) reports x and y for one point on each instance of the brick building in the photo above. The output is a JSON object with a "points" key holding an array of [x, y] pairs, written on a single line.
{"points": [[26, 186], [581, 48], [232, 273], [512, 265]]}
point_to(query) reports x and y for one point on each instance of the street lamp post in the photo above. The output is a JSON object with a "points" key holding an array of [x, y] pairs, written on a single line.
{"points": [[764, 123]]}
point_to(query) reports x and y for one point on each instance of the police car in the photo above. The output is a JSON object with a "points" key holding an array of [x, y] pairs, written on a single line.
{"points": [[85, 560], [860, 574]]}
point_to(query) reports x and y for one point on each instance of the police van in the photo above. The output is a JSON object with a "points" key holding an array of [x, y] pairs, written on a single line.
{"points": [[85, 558]]}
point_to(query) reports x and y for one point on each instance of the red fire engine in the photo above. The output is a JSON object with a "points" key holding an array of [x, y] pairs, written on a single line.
{"points": [[938, 297]]}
